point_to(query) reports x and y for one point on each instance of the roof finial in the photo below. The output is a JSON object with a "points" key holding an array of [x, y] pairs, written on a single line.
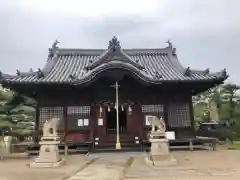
{"points": [[114, 43], [169, 43], [224, 73], [54, 45], [18, 72], [171, 47], [188, 72], [206, 71], [53, 50], [39, 73]]}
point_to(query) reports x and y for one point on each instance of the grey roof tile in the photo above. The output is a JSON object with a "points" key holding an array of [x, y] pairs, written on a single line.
{"points": [[74, 62]]}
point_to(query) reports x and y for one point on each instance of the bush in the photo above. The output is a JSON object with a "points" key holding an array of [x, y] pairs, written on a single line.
{"points": [[236, 130]]}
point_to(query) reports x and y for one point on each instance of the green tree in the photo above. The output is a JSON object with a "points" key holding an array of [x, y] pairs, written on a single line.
{"points": [[17, 113], [230, 99], [227, 100], [202, 103]]}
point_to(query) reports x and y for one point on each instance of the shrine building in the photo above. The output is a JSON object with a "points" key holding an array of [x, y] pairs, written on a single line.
{"points": [[101, 93]]}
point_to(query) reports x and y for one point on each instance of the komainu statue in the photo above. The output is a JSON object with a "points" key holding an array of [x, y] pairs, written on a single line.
{"points": [[159, 124], [50, 127], [49, 153]]}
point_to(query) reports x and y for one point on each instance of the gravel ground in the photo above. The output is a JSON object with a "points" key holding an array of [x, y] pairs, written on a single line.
{"points": [[197, 165]]}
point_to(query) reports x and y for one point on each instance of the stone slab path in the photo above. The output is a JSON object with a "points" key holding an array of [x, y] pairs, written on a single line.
{"points": [[17, 169], [199, 165], [140, 170], [191, 166], [104, 168]]}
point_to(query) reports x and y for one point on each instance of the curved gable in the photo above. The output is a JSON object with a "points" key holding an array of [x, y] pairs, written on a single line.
{"points": [[114, 53]]}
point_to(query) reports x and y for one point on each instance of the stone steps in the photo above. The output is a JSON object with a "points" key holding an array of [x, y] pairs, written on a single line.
{"points": [[128, 144]]}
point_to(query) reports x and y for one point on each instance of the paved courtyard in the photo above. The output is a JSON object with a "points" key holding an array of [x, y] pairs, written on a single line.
{"points": [[198, 165]]}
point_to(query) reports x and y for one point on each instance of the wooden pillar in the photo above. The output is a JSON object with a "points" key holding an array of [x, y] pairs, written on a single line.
{"points": [[93, 122], [104, 116], [165, 111], [37, 123], [139, 118], [191, 114], [65, 130]]}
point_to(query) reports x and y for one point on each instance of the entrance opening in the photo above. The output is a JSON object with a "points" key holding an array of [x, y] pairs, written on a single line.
{"points": [[111, 119]]}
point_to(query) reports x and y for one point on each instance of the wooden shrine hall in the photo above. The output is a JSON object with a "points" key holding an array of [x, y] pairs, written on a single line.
{"points": [[107, 96]]}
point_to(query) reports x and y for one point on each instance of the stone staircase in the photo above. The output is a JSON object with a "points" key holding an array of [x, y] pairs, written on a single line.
{"points": [[128, 144]]}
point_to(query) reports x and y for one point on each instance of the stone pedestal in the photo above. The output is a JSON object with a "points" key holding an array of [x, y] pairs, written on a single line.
{"points": [[159, 154], [5, 147], [48, 154], [8, 144]]}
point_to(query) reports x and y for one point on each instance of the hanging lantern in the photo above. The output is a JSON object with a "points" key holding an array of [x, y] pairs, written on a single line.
{"points": [[129, 110], [100, 111], [108, 108], [122, 108]]}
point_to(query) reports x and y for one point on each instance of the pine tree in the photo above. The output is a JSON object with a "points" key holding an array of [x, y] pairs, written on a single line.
{"points": [[17, 113]]}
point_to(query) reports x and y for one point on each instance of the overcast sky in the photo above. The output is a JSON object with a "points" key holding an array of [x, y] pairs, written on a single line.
{"points": [[206, 33]]}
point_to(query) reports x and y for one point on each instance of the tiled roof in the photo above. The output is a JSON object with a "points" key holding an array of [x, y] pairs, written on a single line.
{"points": [[82, 65]]}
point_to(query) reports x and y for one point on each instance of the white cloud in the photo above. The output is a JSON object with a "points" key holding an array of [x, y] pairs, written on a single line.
{"points": [[205, 32], [91, 7]]}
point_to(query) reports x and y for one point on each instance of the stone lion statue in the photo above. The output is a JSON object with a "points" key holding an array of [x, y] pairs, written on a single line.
{"points": [[50, 127], [159, 123]]}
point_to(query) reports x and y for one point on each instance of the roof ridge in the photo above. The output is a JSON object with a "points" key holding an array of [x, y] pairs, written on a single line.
{"points": [[104, 49], [99, 52]]}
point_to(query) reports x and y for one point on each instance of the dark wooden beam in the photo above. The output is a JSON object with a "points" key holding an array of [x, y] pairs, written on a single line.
{"points": [[191, 113], [65, 122], [37, 123], [165, 111], [65, 130]]}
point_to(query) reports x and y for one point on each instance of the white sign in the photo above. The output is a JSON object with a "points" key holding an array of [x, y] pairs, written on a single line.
{"points": [[100, 121], [148, 120], [170, 135], [80, 122], [85, 122]]}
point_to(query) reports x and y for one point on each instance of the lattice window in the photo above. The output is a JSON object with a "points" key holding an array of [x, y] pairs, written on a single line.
{"points": [[178, 115], [78, 110], [154, 108], [46, 113]]}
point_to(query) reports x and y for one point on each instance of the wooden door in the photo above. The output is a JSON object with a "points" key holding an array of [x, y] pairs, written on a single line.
{"points": [[134, 121], [98, 127]]}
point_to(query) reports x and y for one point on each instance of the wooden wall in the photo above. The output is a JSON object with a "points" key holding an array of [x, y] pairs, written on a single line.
{"points": [[100, 91]]}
